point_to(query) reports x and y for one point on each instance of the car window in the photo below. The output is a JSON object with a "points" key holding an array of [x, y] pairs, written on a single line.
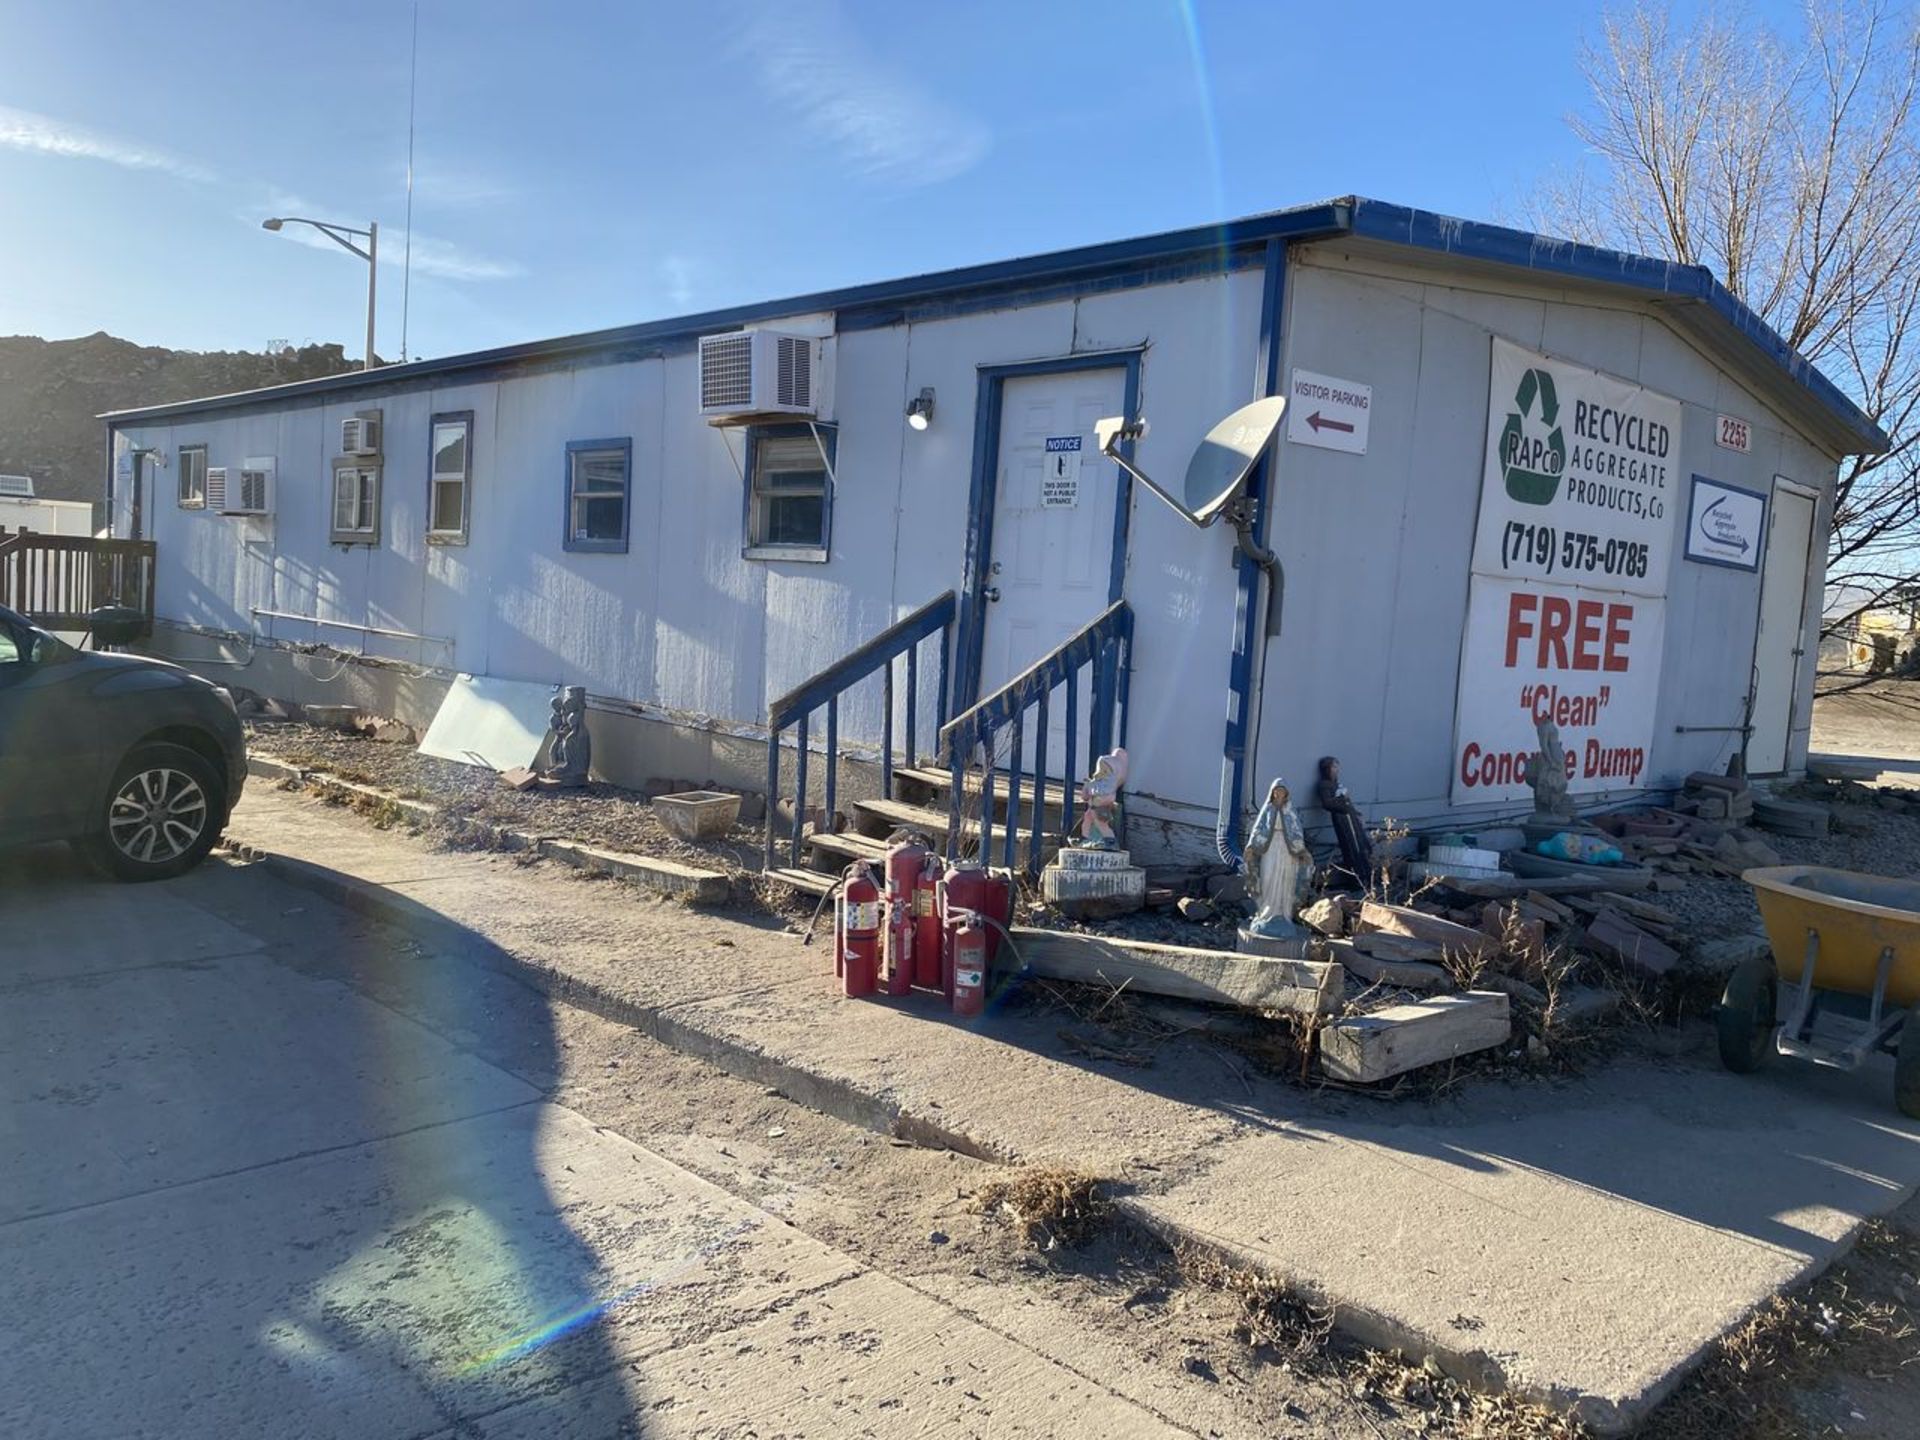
{"points": [[10, 650]]}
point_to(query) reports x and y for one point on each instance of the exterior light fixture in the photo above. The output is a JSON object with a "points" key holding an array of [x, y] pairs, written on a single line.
{"points": [[920, 409], [340, 234]]}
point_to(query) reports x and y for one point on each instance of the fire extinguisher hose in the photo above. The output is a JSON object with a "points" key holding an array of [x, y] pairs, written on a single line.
{"points": [[813, 924], [989, 920]]}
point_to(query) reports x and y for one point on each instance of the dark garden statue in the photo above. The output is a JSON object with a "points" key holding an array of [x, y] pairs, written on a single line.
{"points": [[570, 751], [1547, 774], [1349, 830]]}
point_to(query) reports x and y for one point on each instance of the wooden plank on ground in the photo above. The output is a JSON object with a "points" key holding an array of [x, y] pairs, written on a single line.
{"points": [[1430, 929], [1611, 933], [1377, 970], [1400, 1038], [1221, 977], [1383, 945], [1508, 886]]}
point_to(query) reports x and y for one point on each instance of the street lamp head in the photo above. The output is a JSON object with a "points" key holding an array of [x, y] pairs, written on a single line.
{"points": [[273, 224]]}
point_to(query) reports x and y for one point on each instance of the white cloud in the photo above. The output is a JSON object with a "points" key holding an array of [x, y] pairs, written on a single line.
{"points": [[813, 63], [676, 273], [44, 135], [449, 261]]}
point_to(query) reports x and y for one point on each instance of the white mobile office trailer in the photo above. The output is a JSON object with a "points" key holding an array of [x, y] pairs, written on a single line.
{"points": [[1518, 479]]}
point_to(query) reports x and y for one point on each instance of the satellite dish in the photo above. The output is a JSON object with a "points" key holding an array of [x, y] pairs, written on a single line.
{"points": [[1220, 466]]}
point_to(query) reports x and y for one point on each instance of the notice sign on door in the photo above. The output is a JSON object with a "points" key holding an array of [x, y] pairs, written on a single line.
{"points": [[1725, 524], [1566, 610], [1060, 476]]}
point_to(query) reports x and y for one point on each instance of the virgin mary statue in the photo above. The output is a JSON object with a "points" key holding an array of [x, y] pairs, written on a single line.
{"points": [[1278, 865]]}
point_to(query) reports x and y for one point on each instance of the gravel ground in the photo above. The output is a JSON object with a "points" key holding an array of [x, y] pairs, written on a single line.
{"points": [[598, 814]]}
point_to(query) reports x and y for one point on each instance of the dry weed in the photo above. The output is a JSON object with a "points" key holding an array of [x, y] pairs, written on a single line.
{"points": [[1052, 1206]]}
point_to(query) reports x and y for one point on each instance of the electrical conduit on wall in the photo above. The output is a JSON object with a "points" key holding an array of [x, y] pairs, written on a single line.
{"points": [[1247, 635]]}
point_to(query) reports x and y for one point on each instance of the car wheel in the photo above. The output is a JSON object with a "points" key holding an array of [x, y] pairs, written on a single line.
{"points": [[164, 812]]}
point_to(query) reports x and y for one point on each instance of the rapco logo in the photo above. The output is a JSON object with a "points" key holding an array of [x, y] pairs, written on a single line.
{"points": [[1532, 467]]}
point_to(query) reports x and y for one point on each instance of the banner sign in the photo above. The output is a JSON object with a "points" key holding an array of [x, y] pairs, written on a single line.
{"points": [[1725, 524], [1566, 611]]}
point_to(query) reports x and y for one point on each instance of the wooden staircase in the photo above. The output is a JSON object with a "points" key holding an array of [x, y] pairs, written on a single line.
{"points": [[923, 811]]}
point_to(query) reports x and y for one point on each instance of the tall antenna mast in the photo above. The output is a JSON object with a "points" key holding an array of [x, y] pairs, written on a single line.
{"points": [[406, 275]]}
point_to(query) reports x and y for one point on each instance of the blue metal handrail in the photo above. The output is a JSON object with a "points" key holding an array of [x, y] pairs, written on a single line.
{"points": [[1106, 646], [825, 689]]}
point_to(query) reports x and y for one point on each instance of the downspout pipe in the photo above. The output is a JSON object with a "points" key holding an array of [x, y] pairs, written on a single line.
{"points": [[1251, 560]]}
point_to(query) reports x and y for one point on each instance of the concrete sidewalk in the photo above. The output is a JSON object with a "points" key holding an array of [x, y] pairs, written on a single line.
{"points": [[1577, 1242]]}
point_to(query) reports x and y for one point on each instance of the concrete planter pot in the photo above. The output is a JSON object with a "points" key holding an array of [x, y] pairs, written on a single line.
{"points": [[698, 815]]}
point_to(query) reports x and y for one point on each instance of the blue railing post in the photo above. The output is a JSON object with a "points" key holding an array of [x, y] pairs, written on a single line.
{"points": [[1125, 661], [956, 791], [833, 757], [1012, 836], [773, 791], [985, 852], [1038, 826], [886, 729], [940, 699], [913, 696], [800, 789], [1073, 740]]}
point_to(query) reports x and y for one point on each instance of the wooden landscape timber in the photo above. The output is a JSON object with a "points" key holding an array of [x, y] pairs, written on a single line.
{"points": [[1220, 977], [1448, 937], [1369, 1048], [1379, 970]]}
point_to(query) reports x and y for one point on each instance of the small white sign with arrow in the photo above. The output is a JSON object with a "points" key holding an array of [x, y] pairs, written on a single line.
{"points": [[1725, 524], [1326, 411]]}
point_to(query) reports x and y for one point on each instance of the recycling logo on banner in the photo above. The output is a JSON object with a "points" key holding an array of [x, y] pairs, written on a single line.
{"points": [[1531, 467]]}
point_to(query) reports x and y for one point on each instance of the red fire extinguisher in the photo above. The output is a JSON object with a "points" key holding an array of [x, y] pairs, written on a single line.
{"points": [[904, 862], [970, 889], [856, 931], [970, 960], [926, 925]]}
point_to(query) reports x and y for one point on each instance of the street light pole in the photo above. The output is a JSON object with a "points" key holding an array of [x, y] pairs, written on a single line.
{"points": [[338, 234]]}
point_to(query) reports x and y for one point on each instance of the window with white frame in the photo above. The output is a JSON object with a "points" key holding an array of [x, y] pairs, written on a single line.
{"points": [[356, 505], [448, 484], [599, 478], [789, 492], [193, 477]]}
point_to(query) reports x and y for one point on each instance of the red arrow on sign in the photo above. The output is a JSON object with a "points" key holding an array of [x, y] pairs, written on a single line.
{"points": [[1319, 423]]}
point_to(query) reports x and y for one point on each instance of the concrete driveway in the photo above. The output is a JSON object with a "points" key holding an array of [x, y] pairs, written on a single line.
{"points": [[266, 1170]]}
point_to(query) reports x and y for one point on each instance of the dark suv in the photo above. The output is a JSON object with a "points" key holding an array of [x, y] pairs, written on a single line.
{"points": [[135, 760]]}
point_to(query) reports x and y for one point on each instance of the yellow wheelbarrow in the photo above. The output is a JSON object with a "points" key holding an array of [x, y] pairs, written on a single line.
{"points": [[1849, 947]]}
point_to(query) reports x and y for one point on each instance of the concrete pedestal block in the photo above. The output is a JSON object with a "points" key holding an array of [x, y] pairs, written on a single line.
{"points": [[1094, 884]]}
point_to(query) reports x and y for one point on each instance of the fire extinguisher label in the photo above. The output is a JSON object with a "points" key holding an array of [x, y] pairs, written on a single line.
{"points": [[923, 901], [864, 916], [968, 979]]}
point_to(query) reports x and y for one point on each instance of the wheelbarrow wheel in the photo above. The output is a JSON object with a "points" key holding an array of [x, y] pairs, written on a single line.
{"points": [[1747, 1015], [1906, 1068]]}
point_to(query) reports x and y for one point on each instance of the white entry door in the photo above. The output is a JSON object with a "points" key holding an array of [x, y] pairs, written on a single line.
{"points": [[1051, 559], [1779, 645]]}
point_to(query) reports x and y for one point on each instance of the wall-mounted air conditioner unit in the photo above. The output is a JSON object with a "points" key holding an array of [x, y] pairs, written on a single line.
{"points": [[216, 494], [251, 492], [759, 372], [16, 487], [360, 434]]}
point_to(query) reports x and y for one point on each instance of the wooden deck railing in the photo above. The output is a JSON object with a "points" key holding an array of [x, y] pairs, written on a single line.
{"points": [[58, 580]]}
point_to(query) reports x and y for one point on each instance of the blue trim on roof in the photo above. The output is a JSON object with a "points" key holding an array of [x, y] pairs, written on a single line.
{"points": [[1521, 249], [1147, 259]]}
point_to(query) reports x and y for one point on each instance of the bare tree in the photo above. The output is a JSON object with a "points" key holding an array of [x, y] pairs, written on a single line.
{"points": [[1790, 166]]}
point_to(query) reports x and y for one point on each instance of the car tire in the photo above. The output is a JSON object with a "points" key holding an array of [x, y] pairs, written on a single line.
{"points": [[163, 812]]}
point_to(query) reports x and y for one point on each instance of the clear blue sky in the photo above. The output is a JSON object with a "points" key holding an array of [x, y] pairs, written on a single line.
{"points": [[588, 164]]}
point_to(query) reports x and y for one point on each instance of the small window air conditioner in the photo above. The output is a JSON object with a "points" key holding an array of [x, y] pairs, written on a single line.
{"points": [[216, 492], [16, 487], [253, 495], [756, 372], [360, 435]]}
